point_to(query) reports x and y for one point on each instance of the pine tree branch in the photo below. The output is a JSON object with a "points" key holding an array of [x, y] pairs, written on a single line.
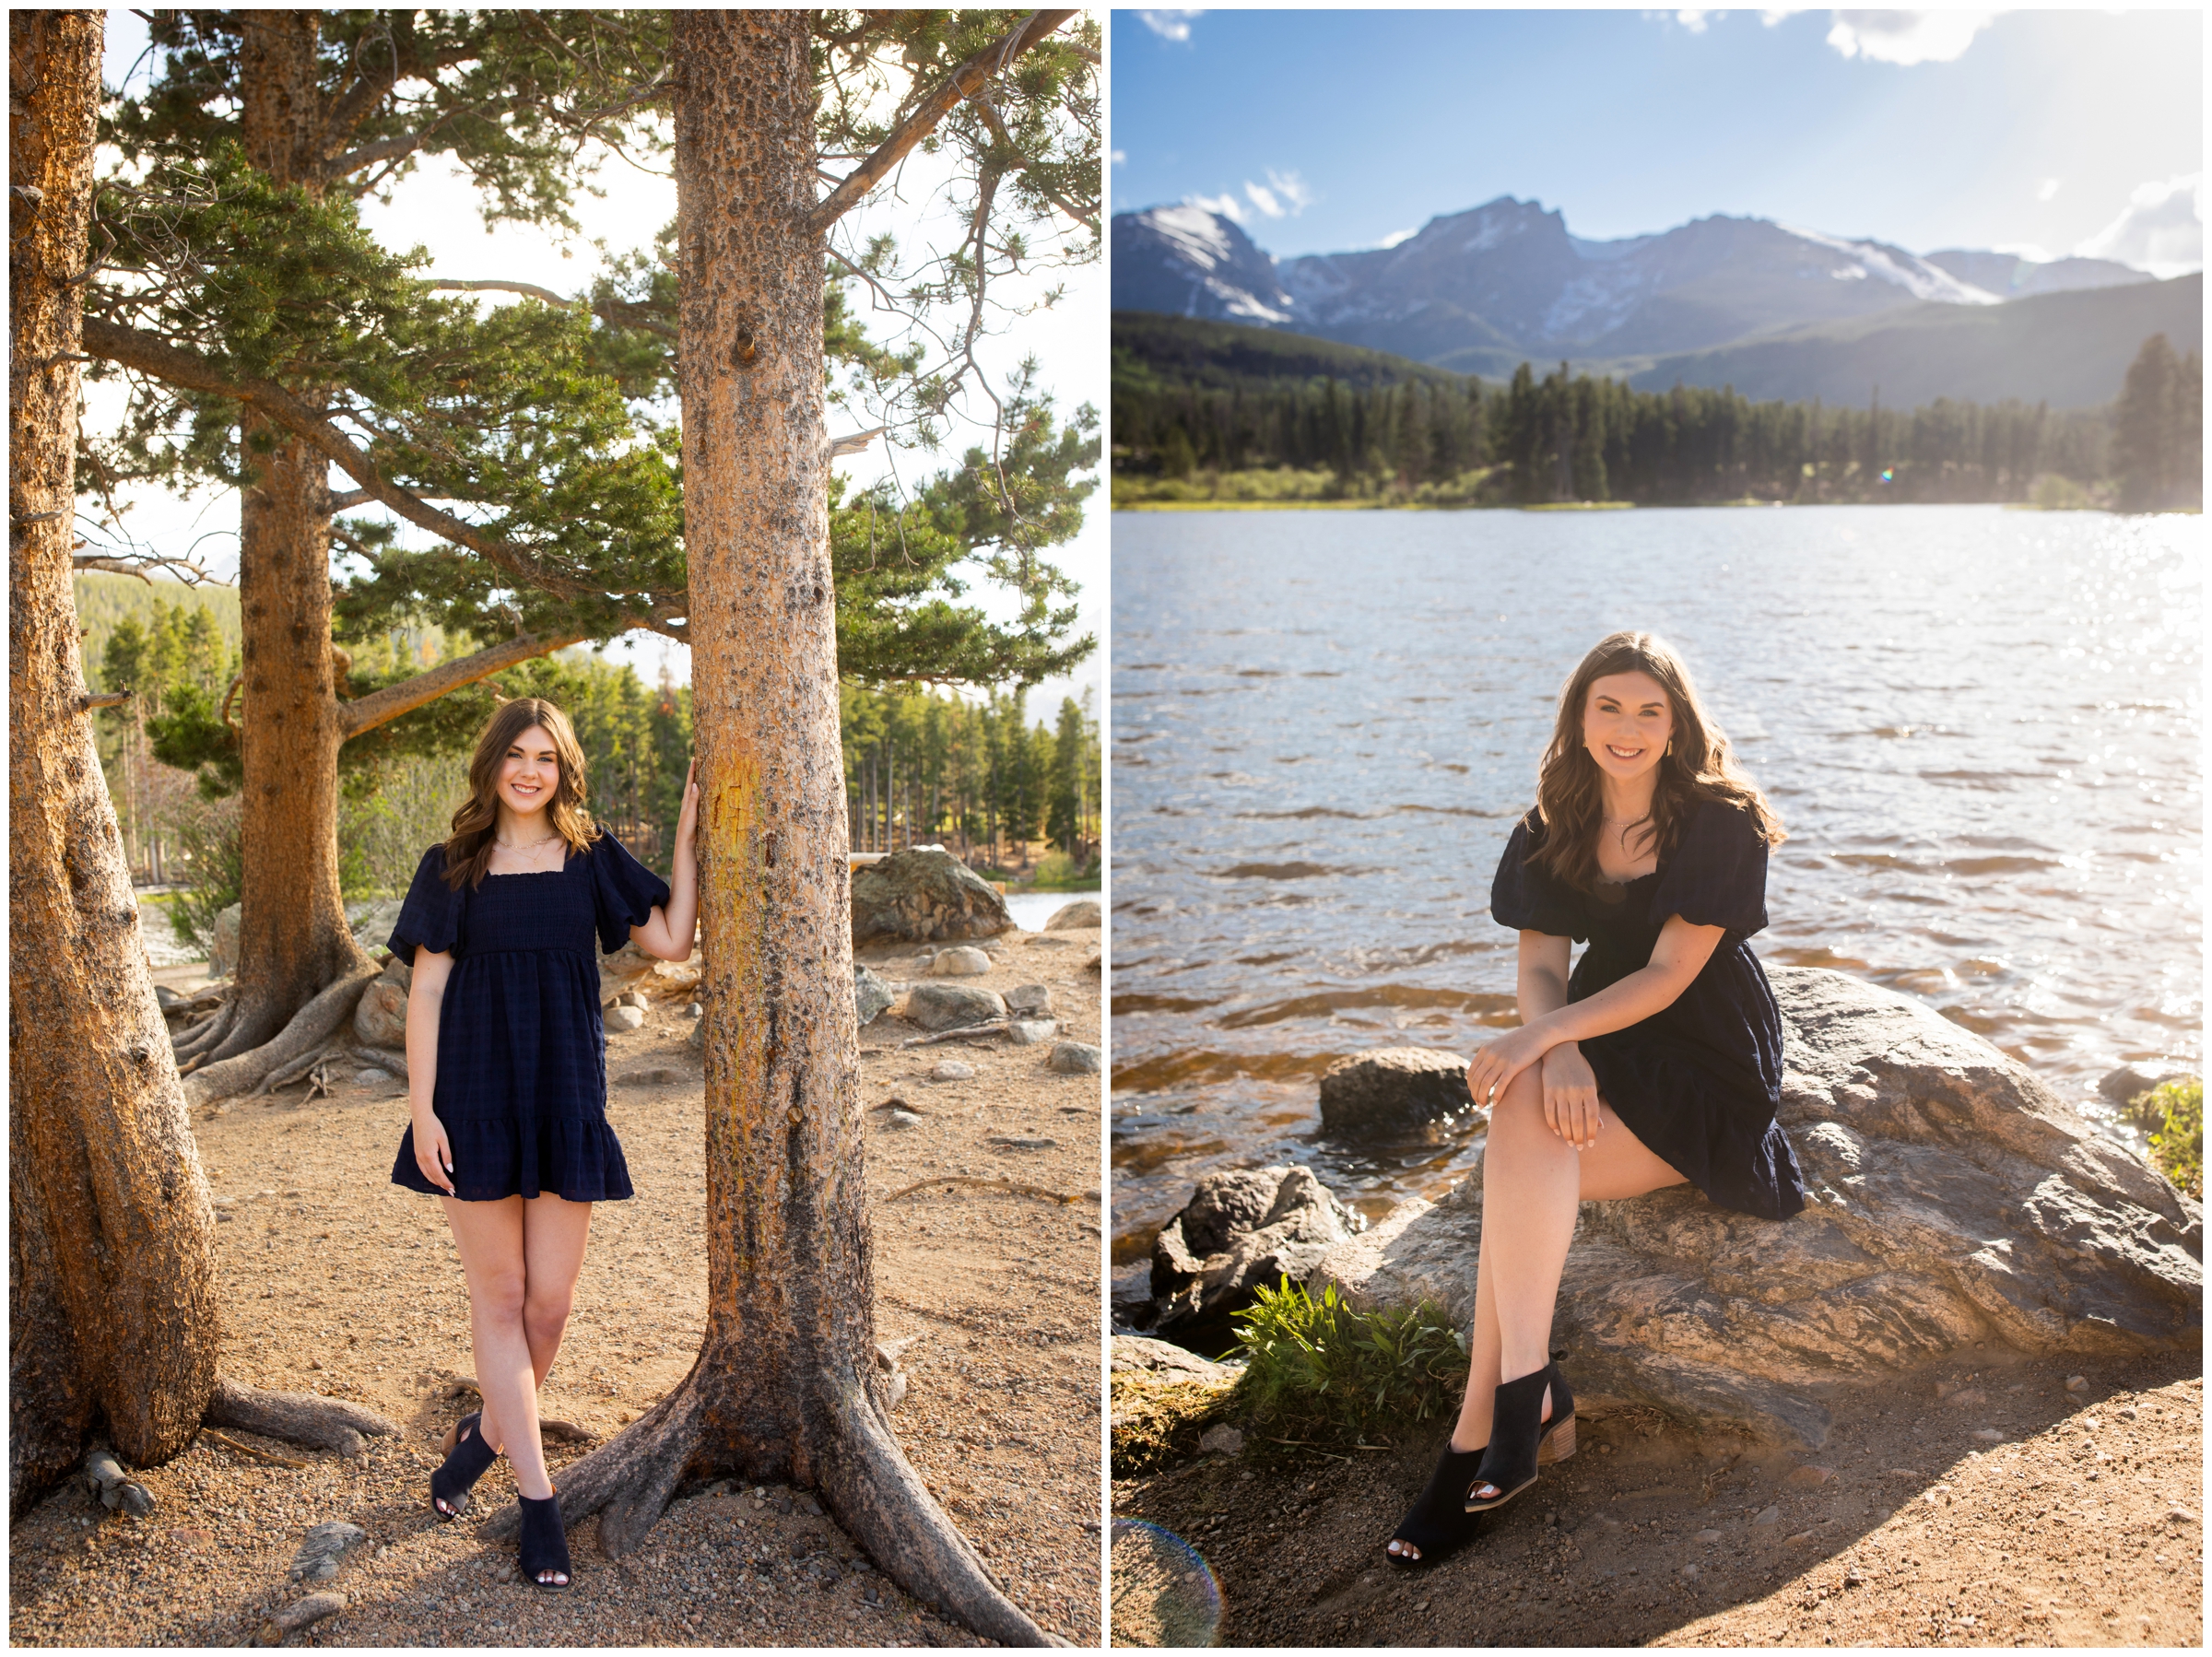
{"points": [[610, 314], [964, 82], [150, 353], [381, 707]]}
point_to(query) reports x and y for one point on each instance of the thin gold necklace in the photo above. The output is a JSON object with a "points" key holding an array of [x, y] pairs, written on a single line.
{"points": [[532, 846]]}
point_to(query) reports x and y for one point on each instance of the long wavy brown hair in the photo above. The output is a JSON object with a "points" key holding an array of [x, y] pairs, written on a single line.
{"points": [[468, 850], [1698, 766]]}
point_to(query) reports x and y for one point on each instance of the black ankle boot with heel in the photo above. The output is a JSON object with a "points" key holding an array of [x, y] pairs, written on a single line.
{"points": [[1438, 1522], [464, 1465], [1521, 1440], [544, 1544]]}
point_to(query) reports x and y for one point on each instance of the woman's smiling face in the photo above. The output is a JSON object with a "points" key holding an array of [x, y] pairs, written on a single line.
{"points": [[1627, 724], [530, 772]]}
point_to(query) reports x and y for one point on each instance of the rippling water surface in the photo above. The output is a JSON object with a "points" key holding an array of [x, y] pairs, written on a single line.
{"points": [[1980, 727]]}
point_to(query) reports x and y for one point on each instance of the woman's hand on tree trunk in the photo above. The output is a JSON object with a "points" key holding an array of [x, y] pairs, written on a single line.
{"points": [[1571, 1096], [434, 1152], [686, 819]]}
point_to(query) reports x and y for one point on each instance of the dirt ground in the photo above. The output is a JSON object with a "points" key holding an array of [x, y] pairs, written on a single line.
{"points": [[2009, 1511], [339, 1282]]}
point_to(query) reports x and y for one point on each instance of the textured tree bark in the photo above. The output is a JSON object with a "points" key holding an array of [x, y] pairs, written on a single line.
{"points": [[297, 1417], [782, 1388], [292, 940], [110, 1268]]}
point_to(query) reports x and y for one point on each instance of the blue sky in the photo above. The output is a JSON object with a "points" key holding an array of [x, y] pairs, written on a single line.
{"points": [[2049, 132]]}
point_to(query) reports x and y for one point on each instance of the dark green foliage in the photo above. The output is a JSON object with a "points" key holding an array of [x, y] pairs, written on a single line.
{"points": [[1563, 437], [1169, 353], [104, 602], [1315, 1365], [2159, 430], [1074, 745], [210, 865]]}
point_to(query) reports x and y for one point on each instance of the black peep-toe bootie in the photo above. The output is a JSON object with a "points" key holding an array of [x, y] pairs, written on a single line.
{"points": [[1521, 1439], [544, 1544], [1438, 1522], [465, 1464]]}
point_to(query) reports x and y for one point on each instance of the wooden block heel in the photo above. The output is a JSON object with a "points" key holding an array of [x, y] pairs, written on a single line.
{"points": [[1521, 1439], [1557, 1444]]}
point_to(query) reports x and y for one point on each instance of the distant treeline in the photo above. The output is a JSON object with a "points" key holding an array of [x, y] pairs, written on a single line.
{"points": [[1564, 438]]}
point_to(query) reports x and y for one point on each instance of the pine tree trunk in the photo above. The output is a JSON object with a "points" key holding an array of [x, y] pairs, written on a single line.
{"points": [[111, 1307], [292, 938], [782, 1387]]}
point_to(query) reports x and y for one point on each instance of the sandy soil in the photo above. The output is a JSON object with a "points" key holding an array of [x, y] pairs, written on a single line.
{"points": [[339, 1282], [2080, 1525]]}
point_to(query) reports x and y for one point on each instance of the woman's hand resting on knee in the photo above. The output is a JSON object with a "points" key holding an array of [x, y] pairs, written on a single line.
{"points": [[1496, 1064], [1571, 1096]]}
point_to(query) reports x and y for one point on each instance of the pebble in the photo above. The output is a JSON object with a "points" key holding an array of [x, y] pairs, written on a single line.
{"points": [[901, 1118], [323, 1547], [1809, 1475], [1075, 1057], [1989, 1435], [1709, 1537], [952, 1070], [624, 1017], [694, 1010], [2077, 1384], [1031, 1032], [962, 961], [1016, 1143], [373, 1077], [1691, 1571], [1770, 1515], [1221, 1439], [1799, 1540]]}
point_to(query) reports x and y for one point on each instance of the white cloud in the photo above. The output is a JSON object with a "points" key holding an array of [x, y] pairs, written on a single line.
{"points": [[1907, 37], [1284, 195], [2046, 190], [1229, 207], [1695, 21], [1120, 157], [2162, 230], [1170, 25]]}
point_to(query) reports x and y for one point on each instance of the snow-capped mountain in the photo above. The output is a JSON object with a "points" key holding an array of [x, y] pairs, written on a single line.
{"points": [[1508, 276]]}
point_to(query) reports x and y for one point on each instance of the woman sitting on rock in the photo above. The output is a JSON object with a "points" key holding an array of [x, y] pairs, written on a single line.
{"points": [[507, 1071], [1658, 1061]]}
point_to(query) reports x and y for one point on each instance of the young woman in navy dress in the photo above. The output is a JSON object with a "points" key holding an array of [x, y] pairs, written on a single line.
{"points": [[1656, 1061], [507, 1070]]}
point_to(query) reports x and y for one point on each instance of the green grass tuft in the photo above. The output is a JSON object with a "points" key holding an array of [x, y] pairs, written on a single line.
{"points": [[2172, 1114], [1316, 1364]]}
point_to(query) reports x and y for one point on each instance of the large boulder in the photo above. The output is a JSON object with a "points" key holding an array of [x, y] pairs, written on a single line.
{"points": [[1952, 1200], [1394, 1090], [948, 1006], [371, 921], [380, 1017], [925, 896], [1241, 1228], [222, 943]]}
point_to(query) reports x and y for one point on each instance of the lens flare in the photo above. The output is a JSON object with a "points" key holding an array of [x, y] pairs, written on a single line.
{"points": [[1163, 1592]]}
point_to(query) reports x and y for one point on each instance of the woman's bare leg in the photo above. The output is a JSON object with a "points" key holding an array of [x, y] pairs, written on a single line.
{"points": [[1531, 1181], [554, 1233], [489, 1239]]}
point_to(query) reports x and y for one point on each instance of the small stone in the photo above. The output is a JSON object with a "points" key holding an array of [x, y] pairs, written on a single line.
{"points": [[1221, 1439], [1770, 1515], [1709, 1537], [1691, 1571], [372, 1078], [2127, 1412], [1810, 1474], [694, 1010], [952, 1070], [871, 995], [1075, 1057], [1031, 1032], [301, 1611], [2181, 1515], [1989, 1435], [1799, 1540], [631, 998], [621, 1017], [962, 961], [899, 1119], [1033, 999], [323, 1548], [1022, 1143], [2077, 1384], [1970, 1396]]}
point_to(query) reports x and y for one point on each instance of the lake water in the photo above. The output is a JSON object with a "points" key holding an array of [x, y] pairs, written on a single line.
{"points": [[1982, 728]]}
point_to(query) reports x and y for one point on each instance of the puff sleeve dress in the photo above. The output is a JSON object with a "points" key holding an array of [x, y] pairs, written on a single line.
{"points": [[521, 1050], [1699, 1081]]}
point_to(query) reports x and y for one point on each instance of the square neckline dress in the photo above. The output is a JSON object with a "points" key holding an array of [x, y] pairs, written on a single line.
{"points": [[1699, 1081], [521, 1084]]}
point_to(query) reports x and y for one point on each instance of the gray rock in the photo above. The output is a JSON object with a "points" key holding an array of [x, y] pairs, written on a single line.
{"points": [[1953, 1199], [1021, 1142], [925, 897], [948, 1006], [1069, 917], [871, 995], [371, 922], [380, 1017], [1241, 1228], [952, 1070], [1032, 999], [105, 1478], [899, 1120], [373, 1077], [1769, 1514], [697, 1010], [299, 1613], [2122, 1084], [324, 1548], [222, 943], [962, 961], [1074, 1058], [1222, 1439], [623, 1017], [1392, 1090], [1141, 1355], [1030, 1032]]}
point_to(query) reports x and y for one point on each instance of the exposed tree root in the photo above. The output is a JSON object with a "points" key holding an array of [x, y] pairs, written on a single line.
{"points": [[866, 1480], [259, 1454], [306, 1419], [1066, 1199], [310, 1028], [203, 1037]]}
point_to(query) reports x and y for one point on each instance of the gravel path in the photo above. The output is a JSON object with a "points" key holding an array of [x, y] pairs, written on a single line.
{"points": [[336, 1281], [2077, 1520]]}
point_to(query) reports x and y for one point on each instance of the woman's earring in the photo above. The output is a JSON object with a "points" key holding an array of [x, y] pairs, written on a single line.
{"points": [[1670, 748]]}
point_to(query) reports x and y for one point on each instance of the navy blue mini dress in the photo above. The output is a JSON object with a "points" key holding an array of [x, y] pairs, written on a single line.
{"points": [[1698, 1082], [522, 1049]]}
